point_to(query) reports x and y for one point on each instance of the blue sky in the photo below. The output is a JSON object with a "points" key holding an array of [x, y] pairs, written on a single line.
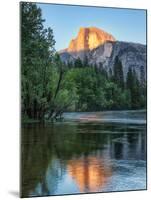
{"points": [[124, 24]]}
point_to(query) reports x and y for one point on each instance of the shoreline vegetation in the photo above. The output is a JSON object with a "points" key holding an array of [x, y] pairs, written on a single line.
{"points": [[50, 87], [62, 118]]}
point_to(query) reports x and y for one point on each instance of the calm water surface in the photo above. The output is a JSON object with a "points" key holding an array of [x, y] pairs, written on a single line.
{"points": [[87, 152]]}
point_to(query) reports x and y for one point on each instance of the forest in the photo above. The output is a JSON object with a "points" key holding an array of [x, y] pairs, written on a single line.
{"points": [[50, 87]]}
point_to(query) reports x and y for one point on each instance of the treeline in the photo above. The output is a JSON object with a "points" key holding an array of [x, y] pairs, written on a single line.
{"points": [[50, 87], [97, 89]]}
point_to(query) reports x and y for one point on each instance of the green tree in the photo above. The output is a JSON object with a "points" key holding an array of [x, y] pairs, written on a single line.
{"points": [[133, 85], [63, 90], [37, 49], [78, 63], [118, 73], [85, 61]]}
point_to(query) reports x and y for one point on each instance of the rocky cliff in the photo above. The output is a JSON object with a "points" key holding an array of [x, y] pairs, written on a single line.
{"points": [[88, 39], [101, 47]]}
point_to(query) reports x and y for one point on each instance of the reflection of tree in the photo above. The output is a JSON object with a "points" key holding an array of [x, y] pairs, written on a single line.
{"points": [[128, 143], [48, 185], [72, 140], [36, 156]]}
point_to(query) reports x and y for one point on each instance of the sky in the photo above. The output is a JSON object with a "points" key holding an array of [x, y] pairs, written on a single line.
{"points": [[124, 24]]}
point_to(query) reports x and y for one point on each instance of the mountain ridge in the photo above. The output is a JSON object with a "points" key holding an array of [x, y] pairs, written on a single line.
{"points": [[132, 55], [89, 38]]}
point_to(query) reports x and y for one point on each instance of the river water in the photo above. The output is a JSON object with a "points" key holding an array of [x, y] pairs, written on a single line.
{"points": [[85, 153]]}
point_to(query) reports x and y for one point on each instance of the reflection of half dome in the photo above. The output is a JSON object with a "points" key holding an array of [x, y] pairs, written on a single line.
{"points": [[89, 173]]}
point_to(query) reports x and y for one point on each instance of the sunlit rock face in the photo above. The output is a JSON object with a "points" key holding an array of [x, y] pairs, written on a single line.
{"points": [[101, 49], [88, 39]]}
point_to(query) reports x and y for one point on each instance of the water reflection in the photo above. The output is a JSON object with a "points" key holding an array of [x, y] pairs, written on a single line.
{"points": [[89, 173], [75, 157]]}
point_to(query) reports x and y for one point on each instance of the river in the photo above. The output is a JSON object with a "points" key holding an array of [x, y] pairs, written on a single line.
{"points": [[86, 152]]}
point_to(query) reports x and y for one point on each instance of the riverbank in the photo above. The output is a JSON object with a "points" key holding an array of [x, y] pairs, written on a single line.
{"points": [[115, 115]]}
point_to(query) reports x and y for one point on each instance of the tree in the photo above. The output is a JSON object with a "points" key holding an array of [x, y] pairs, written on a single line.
{"points": [[135, 92], [110, 72], [78, 63], [85, 61], [118, 73], [142, 76], [133, 85], [58, 71], [129, 79], [37, 49]]}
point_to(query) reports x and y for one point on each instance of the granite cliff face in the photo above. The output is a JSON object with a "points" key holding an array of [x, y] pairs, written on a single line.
{"points": [[88, 39], [132, 55], [101, 47]]}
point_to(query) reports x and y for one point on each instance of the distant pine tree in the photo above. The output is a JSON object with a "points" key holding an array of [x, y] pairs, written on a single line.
{"points": [[133, 85], [129, 79], [110, 72], [142, 75], [78, 63], [85, 61], [118, 73]]}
